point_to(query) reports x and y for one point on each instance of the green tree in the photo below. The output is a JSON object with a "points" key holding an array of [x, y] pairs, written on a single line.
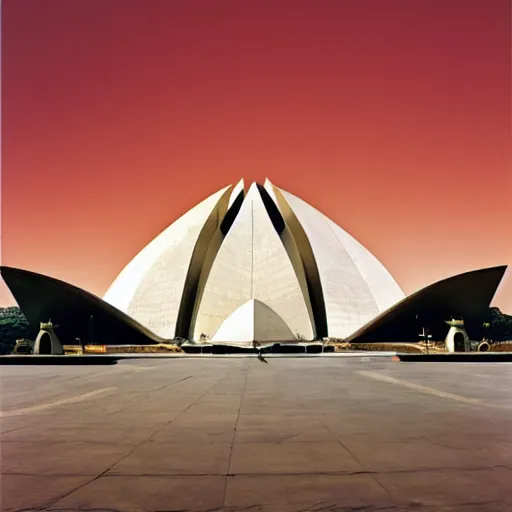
{"points": [[500, 325], [13, 326]]}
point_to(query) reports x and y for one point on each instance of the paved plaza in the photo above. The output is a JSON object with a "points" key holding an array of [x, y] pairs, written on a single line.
{"points": [[233, 433]]}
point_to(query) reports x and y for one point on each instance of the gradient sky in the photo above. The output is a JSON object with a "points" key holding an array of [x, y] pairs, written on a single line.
{"points": [[390, 116]]}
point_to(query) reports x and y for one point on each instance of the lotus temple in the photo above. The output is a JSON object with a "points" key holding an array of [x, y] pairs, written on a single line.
{"points": [[256, 264]]}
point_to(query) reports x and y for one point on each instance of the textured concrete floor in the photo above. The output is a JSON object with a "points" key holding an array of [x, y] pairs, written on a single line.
{"points": [[304, 434]]}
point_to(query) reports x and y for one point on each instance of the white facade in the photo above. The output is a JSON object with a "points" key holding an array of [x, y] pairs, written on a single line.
{"points": [[151, 287], [356, 287], [253, 321], [265, 268], [383, 287], [252, 263]]}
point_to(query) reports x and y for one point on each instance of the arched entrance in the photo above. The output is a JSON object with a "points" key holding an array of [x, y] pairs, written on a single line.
{"points": [[45, 344], [459, 342]]}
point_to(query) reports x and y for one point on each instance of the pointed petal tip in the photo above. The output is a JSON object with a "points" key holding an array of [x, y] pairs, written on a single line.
{"points": [[253, 187]]}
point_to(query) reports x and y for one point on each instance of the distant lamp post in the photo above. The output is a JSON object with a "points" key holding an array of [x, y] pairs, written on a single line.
{"points": [[425, 334], [91, 330]]}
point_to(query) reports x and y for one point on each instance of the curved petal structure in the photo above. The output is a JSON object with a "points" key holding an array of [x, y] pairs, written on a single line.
{"points": [[252, 263], [156, 287], [253, 321], [238, 190], [263, 266], [355, 286], [74, 312], [465, 296], [383, 287]]}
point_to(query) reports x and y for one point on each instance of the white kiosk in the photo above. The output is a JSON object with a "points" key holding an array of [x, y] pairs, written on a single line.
{"points": [[457, 339]]}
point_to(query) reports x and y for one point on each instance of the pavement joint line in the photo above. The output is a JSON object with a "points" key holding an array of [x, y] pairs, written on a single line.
{"points": [[171, 383], [297, 400], [363, 468], [50, 405], [56, 499], [428, 390], [141, 394], [242, 394], [108, 474], [13, 430]]}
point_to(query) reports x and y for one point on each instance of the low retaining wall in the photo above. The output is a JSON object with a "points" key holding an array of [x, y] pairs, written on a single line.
{"points": [[277, 348], [459, 357], [59, 360]]}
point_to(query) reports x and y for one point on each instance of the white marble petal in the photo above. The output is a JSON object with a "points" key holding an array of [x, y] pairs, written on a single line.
{"points": [[252, 263], [151, 287]]}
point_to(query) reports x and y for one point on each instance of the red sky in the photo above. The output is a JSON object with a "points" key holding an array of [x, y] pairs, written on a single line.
{"points": [[390, 116]]}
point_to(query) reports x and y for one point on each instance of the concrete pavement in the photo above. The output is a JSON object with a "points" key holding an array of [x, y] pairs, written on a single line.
{"points": [[296, 434]]}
